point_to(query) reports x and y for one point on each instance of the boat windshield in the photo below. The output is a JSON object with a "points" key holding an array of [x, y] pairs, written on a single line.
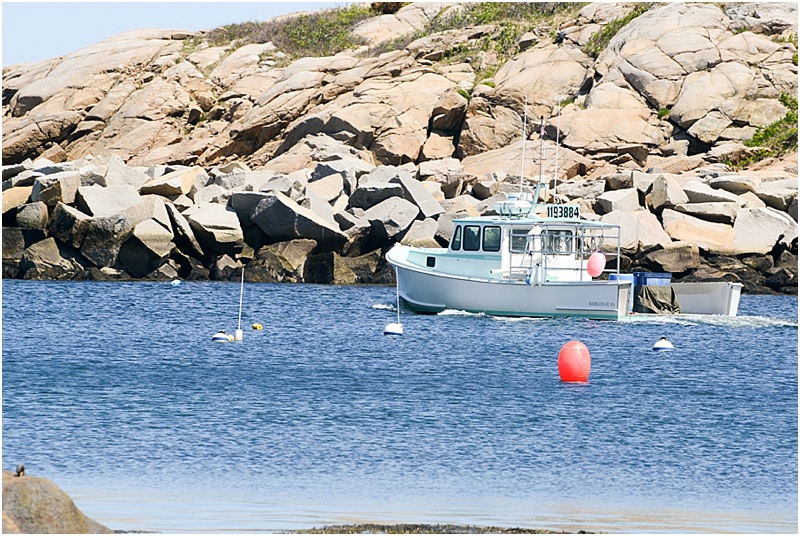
{"points": [[559, 242]]}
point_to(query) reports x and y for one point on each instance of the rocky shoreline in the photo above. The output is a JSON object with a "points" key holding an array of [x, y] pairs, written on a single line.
{"points": [[409, 528], [159, 155], [36, 505], [99, 219]]}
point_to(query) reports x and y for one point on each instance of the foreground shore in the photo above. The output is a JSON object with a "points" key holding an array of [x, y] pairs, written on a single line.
{"points": [[414, 528]]}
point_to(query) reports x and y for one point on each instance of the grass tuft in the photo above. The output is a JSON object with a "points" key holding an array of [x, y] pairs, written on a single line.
{"points": [[600, 39], [319, 34]]}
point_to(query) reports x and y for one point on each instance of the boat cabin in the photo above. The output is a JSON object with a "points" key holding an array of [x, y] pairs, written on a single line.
{"points": [[541, 249]]}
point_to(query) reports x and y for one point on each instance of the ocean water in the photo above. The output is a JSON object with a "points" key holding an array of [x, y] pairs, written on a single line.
{"points": [[116, 393]]}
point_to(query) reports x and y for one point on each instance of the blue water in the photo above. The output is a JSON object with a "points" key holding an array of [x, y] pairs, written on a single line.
{"points": [[115, 392]]}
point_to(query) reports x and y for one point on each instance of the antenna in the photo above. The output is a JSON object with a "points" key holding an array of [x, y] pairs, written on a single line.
{"points": [[541, 147], [524, 137], [558, 134]]}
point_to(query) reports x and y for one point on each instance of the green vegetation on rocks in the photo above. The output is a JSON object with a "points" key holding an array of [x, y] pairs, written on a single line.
{"points": [[776, 139], [512, 18], [600, 39], [322, 33]]}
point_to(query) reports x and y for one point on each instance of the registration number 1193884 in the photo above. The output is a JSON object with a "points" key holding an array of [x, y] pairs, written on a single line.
{"points": [[563, 211]]}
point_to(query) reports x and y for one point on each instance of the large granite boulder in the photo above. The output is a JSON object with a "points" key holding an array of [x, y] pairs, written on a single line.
{"points": [[102, 201], [148, 247], [33, 216], [177, 182], [370, 194], [391, 218], [33, 505], [46, 260], [666, 192], [283, 261], [184, 237], [626, 200], [709, 236], [216, 228], [757, 230], [50, 189], [638, 228], [69, 225], [676, 257], [15, 197], [331, 268], [104, 237], [282, 220]]}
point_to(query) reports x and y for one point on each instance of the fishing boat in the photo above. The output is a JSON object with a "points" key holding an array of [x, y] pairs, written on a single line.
{"points": [[543, 260], [540, 260]]}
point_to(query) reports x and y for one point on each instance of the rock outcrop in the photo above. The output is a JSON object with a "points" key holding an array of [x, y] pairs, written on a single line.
{"points": [[140, 157], [33, 505]]}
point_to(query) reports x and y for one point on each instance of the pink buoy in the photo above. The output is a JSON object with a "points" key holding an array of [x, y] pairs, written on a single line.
{"points": [[574, 362], [596, 264]]}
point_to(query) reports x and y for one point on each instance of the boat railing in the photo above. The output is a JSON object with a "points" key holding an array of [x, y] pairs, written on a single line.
{"points": [[563, 249]]}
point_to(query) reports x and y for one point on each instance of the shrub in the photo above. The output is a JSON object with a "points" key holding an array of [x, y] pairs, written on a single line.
{"points": [[779, 137], [386, 8], [323, 33], [775, 139], [600, 39]]}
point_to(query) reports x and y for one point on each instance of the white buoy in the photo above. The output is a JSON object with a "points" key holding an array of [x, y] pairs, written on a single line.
{"points": [[662, 345], [175, 282], [395, 328], [220, 336]]}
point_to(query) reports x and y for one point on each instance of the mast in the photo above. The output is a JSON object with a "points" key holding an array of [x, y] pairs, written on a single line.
{"points": [[558, 134], [541, 147], [524, 137]]}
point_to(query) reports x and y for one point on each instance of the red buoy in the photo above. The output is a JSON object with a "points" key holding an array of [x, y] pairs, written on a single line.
{"points": [[574, 362], [596, 264]]}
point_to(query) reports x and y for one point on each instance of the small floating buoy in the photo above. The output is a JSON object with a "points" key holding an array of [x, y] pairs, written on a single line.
{"points": [[258, 327], [393, 329], [596, 264], [220, 336], [662, 345], [175, 282], [574, 362]]}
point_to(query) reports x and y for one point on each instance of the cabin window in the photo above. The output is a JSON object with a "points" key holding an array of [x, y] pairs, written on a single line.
{"points": [[456, 244], [472, 237], [519, 239], [491, 238], [560, 242]]}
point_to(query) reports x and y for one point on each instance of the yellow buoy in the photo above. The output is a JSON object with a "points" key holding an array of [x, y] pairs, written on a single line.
{"points": [[258, 327]]}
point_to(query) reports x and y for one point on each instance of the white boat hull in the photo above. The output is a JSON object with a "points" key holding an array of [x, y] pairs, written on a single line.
{"points": [[428, 292]]}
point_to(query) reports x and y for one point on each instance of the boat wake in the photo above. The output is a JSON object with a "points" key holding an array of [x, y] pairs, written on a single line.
{"points": [[719, 320], [458, 312], [385, 306], [512, 319]]}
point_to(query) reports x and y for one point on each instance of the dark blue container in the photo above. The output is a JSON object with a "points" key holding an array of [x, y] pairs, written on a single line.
{"points": [[658, 279]]}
